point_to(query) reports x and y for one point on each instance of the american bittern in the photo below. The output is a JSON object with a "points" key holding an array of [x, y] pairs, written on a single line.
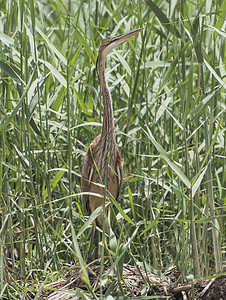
{"points": [[103, 157]]}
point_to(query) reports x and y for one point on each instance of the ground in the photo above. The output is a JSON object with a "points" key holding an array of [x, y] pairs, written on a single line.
{"points": [[136, 282]]}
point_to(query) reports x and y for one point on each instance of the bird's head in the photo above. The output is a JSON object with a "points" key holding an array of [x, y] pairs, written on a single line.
{"points": [[111, 42]]}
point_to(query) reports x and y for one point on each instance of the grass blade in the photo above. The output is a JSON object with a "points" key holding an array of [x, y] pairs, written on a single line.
{"points": [[169, 160]]}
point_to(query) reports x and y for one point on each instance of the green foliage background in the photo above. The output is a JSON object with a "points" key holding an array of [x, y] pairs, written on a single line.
{"points": [[168, 90]]}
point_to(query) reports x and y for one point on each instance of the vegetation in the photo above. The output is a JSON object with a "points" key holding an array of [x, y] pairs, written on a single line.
{"points": [[168, 89]]}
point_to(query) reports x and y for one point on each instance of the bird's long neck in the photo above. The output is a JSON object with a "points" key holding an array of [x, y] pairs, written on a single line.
{"points": [[108, 129]]}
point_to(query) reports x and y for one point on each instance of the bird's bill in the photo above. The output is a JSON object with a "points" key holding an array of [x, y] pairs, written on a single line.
{"points": [[110, 43], [123, 37]]}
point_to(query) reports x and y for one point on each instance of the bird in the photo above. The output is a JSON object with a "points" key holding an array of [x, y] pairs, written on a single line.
{"points": [[103, 164]]}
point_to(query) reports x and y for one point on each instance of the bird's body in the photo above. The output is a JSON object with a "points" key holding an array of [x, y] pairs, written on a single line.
{"points": [[103, 165], [94, 172]]}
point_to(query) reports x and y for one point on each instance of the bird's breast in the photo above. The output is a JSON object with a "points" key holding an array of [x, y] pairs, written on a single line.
{"points": [[105, 156]]}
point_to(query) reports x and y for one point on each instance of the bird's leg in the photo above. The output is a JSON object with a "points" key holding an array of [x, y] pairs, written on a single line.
{"points": [[91, 243]]}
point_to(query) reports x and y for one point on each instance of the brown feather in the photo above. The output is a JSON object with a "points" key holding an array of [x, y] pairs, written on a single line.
{"points": [[115, 177]]}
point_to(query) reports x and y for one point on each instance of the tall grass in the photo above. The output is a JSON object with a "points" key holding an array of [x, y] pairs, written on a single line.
{"points": [[168, 90]]}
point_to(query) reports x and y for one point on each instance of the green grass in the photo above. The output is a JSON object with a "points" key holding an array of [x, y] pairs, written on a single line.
{"points": [[168, 88]]}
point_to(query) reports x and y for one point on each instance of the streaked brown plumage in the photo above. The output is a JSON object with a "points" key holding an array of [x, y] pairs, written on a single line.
{"points": [[103, 156]]}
